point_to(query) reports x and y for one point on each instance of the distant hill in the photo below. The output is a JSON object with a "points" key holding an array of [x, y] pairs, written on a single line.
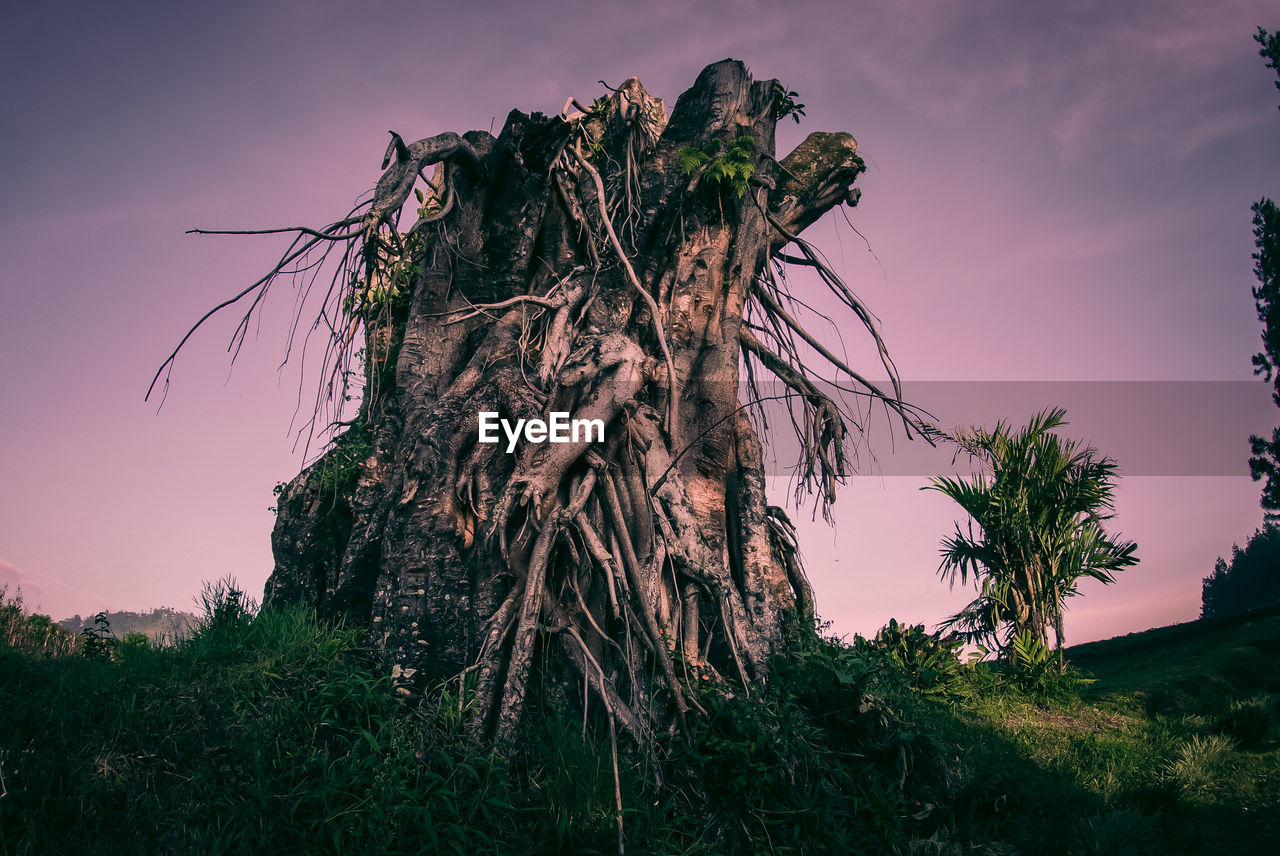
{"points": [[1211, 656], [156, 623]]}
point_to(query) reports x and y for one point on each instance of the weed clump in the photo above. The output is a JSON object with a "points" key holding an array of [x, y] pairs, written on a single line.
{"points": [[1196, 763], [1247, 721]]}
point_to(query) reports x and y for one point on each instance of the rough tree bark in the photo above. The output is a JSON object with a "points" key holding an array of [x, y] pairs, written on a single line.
{"points": [[610, 264]]}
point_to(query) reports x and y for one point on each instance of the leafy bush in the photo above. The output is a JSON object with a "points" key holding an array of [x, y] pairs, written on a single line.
{"points": [[1035, 664], [134, 641], [929, 661], [829, 738], [1032, 672]]}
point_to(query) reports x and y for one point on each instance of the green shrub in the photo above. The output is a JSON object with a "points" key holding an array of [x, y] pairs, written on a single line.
{"points": [[929, 661], [827, 757], [1036, 669]]}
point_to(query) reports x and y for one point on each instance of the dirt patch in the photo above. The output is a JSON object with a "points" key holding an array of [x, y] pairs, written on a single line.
{"points": [[1087, 719]]}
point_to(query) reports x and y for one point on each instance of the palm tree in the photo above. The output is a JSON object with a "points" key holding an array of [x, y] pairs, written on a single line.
{"points": [[1039, 505]]}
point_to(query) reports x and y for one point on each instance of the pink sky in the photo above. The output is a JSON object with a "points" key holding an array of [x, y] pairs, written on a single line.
{"points": [[1056, 193]]}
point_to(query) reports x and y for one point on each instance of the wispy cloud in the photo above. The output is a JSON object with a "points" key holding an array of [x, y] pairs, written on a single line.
{"points": [[1079, 123], [1091, 74], [1198, 135]]}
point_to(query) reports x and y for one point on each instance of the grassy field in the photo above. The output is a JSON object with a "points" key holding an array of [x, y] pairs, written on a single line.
{"points": [[273, 729], [1239, 654], [1156, 742]]}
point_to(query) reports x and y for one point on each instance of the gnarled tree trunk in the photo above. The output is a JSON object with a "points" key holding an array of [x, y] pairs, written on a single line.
{"points": [[609, 264]]}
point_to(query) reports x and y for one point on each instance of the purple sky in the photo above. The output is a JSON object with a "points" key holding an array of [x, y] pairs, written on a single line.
{"points": [[1057, 192]]}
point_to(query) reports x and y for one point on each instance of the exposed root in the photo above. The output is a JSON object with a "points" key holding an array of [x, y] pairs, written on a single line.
{"points": [[522, 642], [655, 313]]}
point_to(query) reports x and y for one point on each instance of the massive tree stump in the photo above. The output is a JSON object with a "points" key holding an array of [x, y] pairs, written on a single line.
{"points": [[606, 264]]}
